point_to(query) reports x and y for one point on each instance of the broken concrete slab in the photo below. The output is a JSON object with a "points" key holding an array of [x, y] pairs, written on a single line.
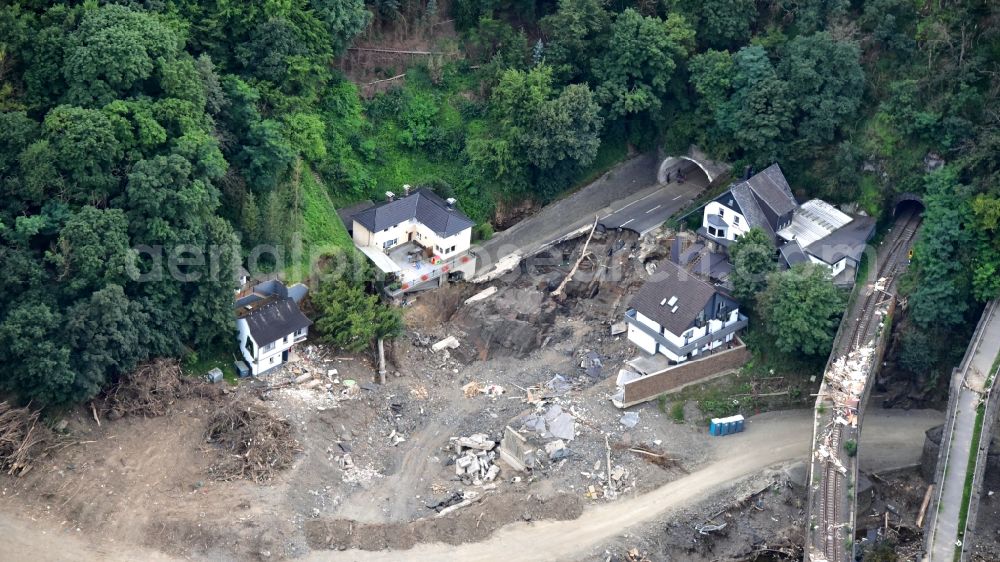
{"points": [[626, 376], [558, 385], [556, 450], [619, 328], [478, 441], [450, 342], [492, 473], [630, 419], [481, 295], [563, 427]]}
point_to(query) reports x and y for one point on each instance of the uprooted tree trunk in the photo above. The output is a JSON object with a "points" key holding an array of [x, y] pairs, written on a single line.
{"points": [[558, 293], [381, 361]]}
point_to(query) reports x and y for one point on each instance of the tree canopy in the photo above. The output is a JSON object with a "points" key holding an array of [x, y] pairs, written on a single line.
{"points": [[801, 309], [133, 134], [753, 258]]}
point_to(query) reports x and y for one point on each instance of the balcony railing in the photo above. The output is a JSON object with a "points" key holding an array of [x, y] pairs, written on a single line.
{"points": [[409, 279], [728, 328]]}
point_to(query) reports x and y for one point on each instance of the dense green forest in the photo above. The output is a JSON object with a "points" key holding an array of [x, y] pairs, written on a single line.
{"points": [[147, 146]]}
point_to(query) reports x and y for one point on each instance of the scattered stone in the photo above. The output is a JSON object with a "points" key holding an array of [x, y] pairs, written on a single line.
{"points": [[630, 419], [556, 450]]}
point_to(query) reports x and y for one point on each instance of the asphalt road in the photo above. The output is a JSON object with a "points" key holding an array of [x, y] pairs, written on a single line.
{"points": [[630, 188], [650, 211], [893, 437]]}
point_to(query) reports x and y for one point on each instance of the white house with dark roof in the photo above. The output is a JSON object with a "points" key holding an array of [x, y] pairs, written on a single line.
{"points": [[269, 323], [814, 232], [419, 239], [680, 316], [764, 200]]}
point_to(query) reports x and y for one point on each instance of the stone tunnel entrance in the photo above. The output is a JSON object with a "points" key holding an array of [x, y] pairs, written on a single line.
{"points": [[907, 203], [690, 168], [694, 164]]}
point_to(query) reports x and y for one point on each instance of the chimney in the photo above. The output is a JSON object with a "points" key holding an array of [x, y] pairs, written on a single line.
{"points": [[451, 203], [389, 196], [406, 190]]}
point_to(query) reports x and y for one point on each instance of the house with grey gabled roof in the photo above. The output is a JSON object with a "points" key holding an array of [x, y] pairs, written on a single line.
{"points": [[269, 323], [763, 200], [679, 315], [417, 241], [814, 231]]}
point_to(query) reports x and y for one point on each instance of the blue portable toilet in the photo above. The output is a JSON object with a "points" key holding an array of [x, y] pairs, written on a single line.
{"points": [[726, 426]]}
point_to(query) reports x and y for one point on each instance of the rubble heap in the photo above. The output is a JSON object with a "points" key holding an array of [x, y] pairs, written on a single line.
{"points": [[474, 460], [845, 382]]}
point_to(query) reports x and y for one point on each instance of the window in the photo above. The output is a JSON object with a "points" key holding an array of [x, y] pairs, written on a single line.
{"points": [[267, 347], [249, 345], [273, 359], [722, 212], [284, 339], [389, 243], [736, 219]]}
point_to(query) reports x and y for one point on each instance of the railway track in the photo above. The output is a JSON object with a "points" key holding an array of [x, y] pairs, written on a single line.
{"points": [[889, 261], [832, 491], [899, 244]]}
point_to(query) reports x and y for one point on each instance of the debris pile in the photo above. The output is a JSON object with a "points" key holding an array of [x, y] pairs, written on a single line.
{"points": [[845, 383], [609, 485], [545, 392], [255, 443], [473, 389], [149, 390], [591, 363], [474, 459], [354, 474], [22, 439], [551, 422]]}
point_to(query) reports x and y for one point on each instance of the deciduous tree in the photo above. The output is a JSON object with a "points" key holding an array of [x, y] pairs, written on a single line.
{"points": [[633, 72], [752, 256], [801, 309]]}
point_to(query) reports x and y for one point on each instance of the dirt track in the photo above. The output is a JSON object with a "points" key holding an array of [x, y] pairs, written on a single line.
{"points": [[771, 439]]}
